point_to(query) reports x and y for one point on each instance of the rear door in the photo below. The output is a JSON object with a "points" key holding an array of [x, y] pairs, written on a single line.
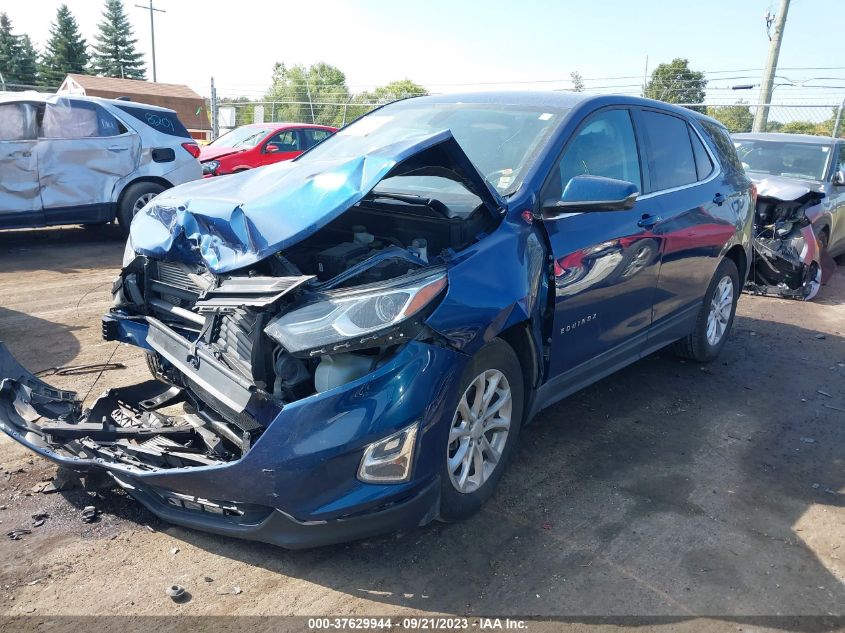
{"points": [[697, 215], [606, 263], [20, 200], [283, 145], [83, 152], [837, 206]]}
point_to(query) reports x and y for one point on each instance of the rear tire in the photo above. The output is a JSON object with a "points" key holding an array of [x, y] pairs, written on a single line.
{"points": [[485, 434], [715, 318], [153, 364], [133, 200]]}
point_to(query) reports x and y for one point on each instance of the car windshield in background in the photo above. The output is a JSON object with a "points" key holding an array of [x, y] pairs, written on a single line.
{"points": [[241, 138], [500, 140], [782, 158]]}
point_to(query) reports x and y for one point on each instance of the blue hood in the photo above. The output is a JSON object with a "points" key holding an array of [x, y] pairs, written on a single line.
{"points": [[235, 221]]}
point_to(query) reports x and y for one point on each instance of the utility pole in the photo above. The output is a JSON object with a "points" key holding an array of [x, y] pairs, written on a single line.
{"points": [[761, 117], [214, 129], [152, 11]]}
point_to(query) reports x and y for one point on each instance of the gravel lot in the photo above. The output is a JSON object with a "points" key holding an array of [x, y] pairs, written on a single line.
{"points": [[714, 494]]}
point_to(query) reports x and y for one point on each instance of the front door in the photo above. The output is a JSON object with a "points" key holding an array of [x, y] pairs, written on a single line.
{"points": [[606, 262], [83, 152], [284, 145], [20, 201]]}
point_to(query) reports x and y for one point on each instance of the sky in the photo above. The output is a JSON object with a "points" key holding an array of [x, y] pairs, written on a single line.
{"points": [[453, 45]]}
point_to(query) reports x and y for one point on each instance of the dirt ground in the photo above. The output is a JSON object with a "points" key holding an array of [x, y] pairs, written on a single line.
{"points": [[713, 495]]}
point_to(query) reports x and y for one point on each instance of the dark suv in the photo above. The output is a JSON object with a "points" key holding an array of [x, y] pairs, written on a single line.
{"points": [[359, 334]]}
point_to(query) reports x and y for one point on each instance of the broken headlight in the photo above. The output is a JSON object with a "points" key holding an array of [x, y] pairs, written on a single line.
{"points": [[128, 254], [372, 317]]}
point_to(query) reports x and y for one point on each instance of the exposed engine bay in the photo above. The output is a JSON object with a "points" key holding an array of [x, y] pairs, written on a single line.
{"points": [[229, 350], [786, 258]]}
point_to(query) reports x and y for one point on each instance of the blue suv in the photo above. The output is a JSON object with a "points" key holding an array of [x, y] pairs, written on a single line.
{"points": [[355, 338]]}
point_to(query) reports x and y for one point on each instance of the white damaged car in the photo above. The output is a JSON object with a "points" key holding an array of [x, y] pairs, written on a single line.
{"points": [[85, 160]]}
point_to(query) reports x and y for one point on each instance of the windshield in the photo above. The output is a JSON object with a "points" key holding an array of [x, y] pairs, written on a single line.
{"points": [[240, 138], [500, 140], [782, 158]]}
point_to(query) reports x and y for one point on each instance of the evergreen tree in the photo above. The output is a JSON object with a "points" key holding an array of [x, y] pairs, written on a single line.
{"points": [[115, 54], [66, 50], [10, 50], [27, 66]]}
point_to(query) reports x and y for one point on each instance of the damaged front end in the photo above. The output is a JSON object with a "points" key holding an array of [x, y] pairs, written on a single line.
{"points": [[281, 346], [786, 255]]}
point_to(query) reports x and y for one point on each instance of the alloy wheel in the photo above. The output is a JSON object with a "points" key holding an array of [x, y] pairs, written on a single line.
{"points": [[720, 310], [141, 202], [479, 431]]}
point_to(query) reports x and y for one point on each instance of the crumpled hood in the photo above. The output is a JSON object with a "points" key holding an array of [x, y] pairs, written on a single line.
{"points": [[783, 188], [238, 220], [209, 153]]}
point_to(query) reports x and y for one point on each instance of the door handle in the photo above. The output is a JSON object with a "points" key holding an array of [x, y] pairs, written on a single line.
{"points": [[648, 221], [118, 149], [719, 199]]}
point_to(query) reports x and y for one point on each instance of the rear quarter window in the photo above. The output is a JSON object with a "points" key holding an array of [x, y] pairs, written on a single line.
{"points": [[720, 139], [160, 121]]}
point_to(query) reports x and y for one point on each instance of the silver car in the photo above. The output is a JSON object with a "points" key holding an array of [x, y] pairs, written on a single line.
{"points": [[84, 160], [814, 162]]}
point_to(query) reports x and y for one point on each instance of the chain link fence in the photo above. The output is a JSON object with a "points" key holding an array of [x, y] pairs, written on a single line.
{"points": [[232, 113], [818, 119]]}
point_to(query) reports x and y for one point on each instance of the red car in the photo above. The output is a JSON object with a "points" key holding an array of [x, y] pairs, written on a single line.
{"points": [[259, 144]]}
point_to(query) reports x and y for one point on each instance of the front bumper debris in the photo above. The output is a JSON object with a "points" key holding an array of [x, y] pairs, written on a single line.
{"points": [[295, 485]]}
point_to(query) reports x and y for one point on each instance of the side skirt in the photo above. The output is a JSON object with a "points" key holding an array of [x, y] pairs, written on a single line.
{"points": [[658, 336]]}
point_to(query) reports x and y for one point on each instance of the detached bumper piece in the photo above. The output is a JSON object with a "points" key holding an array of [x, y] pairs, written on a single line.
{"points": [[786, 261], [123, 429]]}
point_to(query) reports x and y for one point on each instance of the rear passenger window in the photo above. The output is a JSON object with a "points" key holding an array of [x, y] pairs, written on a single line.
{"points": [[703, 164], [672, 161], [312, 136], [78, 119], [16, 122], [604, 146], [724, 146]]}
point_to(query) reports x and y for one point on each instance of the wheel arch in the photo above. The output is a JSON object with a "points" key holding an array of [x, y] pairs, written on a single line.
{"points": [[154, 179], [518, 337], [739, 257]]}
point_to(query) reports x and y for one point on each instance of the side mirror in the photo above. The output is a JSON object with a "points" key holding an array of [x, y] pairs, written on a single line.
{"points": [[593, 193], [839, 178], [270, 148]]}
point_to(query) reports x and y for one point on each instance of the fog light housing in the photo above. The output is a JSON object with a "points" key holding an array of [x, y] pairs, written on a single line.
{"points": [[390, 460]]}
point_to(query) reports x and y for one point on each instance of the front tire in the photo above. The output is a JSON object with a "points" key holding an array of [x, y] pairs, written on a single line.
{"points": [[715, 317], [483, 431], [133, 200]]}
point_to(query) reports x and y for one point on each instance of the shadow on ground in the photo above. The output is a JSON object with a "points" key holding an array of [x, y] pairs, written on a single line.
{"points": [[63, 249], [669, 489], [57, 345]]}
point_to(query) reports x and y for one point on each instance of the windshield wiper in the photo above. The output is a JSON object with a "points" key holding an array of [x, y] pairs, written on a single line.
{"points": [[409, 198]]}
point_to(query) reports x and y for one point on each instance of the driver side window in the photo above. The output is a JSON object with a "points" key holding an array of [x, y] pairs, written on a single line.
{"points": [[287, 141], [604, 146]]}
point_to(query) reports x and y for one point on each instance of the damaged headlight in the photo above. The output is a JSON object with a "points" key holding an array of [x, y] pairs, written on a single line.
{"points": [[128, 254], [378, 315], [210, 167]]}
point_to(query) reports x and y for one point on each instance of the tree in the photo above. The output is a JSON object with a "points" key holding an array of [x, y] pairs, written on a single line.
{"points": [[9, 50], [577, 81], [115, 54], [316, 94], [365, 101], [737, 117], [66, 50], [677, 83], [401, 89], [27, 67]]}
